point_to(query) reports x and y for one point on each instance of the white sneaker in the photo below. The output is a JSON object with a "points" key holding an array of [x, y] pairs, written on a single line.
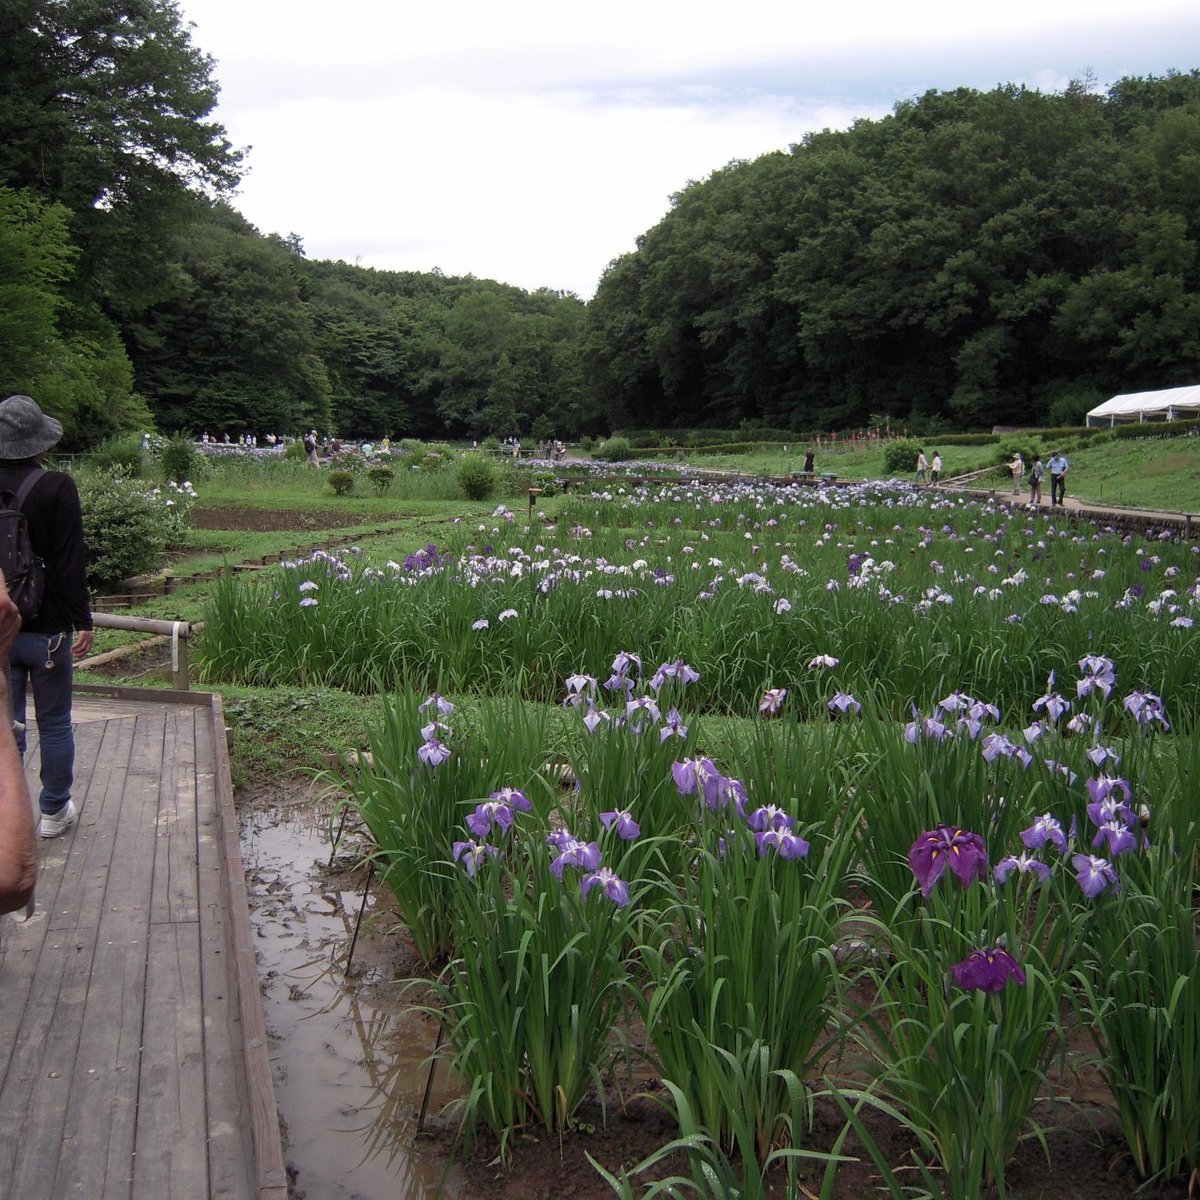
{"points": [[59, 822]]}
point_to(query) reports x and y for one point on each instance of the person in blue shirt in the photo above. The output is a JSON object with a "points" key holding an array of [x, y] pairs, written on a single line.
{"points": [[1058, 467]]}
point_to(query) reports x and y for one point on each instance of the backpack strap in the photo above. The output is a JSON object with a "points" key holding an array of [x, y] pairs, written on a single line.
{"points": [[22, 493]]}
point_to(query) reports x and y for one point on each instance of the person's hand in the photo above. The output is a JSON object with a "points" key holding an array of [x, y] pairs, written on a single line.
{"points": [[10, 619], [82, 644]]}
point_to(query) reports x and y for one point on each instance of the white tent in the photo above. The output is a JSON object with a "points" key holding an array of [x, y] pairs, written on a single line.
{"points": [[1173, 404]]}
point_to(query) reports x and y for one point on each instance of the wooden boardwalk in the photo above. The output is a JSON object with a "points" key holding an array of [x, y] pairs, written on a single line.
{"points": [[133, 1058]]}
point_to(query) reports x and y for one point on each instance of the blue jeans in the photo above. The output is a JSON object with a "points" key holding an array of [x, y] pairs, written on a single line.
{"points": [[44, 660]]}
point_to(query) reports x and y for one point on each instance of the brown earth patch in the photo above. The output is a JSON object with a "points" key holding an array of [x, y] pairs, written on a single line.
{"points": [[272, 520]]}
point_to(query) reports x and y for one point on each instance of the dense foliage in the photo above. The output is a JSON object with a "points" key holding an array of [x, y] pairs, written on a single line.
{"points": [[975, 258]]}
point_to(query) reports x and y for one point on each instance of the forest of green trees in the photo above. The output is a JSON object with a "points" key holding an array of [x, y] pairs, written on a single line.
{"points": [[974, 258]]}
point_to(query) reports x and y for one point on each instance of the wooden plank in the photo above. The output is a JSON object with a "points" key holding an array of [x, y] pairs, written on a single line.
{"points": [[96, 1157], [101, 755], [174, 895], [260, 1087], [33, 1105], [230, 1137], [170, 1157]]}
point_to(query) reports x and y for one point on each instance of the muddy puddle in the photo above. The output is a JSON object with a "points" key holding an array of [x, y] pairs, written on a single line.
{"points": [[349, 1063]]}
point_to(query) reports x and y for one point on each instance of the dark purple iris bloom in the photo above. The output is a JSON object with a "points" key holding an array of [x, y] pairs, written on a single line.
{"points": [[987, 971], [947, 846], [627, 828], [1045, 831], [785, 843]]}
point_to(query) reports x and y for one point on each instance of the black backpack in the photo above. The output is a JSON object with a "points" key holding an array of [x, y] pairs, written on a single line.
{"points": [[24, 571]]}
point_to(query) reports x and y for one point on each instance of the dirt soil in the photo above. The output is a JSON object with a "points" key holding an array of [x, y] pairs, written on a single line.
{"points": [[271, 520], [1086, 1156]]}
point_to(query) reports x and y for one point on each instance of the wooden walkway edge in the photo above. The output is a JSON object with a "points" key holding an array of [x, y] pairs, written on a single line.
{"points": [[133, 1049]]}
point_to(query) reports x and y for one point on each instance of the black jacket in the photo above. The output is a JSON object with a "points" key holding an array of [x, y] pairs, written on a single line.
{"points": [[55, 522]]}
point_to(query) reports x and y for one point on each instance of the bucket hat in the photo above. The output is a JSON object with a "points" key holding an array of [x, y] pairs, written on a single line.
{"points": [[25, 430]]}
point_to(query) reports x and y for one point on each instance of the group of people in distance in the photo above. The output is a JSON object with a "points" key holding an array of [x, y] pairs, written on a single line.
{"points": [[927, 468], [1057, 466]]}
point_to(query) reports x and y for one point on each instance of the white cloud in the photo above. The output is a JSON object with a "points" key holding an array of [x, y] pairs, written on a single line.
{"points": [[533, 142]]}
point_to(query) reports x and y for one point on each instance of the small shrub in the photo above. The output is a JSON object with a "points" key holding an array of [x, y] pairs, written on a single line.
{"points": [[123, 452], [900, 456], [178, 459], [615, 449], [294, 452], [476, 477], [126, 526], [342, 482], [381, 479], [586, 443]]}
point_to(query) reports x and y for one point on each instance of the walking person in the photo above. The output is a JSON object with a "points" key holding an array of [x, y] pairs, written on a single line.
{"points": [[922, 466], [43, 652], [1058, 466], [18, 851], [935, 468], [310, 447], [1017, 467], [1035, 480]]}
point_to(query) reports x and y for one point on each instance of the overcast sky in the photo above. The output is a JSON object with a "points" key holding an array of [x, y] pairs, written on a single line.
{"points": [[533, 141]]}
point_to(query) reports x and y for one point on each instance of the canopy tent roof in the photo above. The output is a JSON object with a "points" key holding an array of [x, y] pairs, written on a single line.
{"points": [[1168, 405]]}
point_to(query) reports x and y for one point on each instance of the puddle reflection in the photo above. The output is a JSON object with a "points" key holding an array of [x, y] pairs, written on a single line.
{"points": [[350, 1065]]}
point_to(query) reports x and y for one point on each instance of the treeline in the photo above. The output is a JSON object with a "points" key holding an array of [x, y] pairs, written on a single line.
{"points": [[975, 258], [132, 293]]}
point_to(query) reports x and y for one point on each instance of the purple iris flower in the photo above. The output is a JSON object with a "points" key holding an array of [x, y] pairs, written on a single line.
{"points": [[996, 744], [1045, 831], [513, 798], [573, 853], [640, 712], [987, 971], [785, 843], [1099, 675], [1117, 837], [1110, 799], [594, 717], [772, 701], [673, 727], [690, 774], [627, 828], [843, 702], [927, 727], [443, 706], [432, 753], [1093, 874], [472, 854], [1053, 704], [769, 817], [947, 845], [678, 670], [613, 887], [1146, 708], [487, 814], [436, 729], [578, 687], [1023, 864]]}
